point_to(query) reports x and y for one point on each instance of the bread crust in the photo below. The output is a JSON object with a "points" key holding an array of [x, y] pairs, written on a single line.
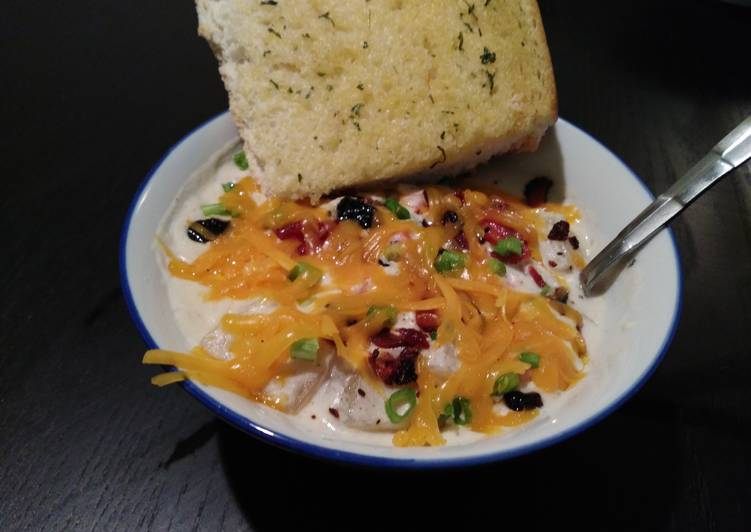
{"points": [[550, 73]]}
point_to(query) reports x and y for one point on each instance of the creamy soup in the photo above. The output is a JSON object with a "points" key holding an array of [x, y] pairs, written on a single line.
{"points": [[406, 314]]}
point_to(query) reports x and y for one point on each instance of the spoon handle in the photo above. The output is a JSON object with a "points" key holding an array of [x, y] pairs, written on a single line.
{"points": [[731, 152]]}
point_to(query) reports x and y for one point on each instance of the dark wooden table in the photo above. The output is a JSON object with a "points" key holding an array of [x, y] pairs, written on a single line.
{"points": [[93, 92]]}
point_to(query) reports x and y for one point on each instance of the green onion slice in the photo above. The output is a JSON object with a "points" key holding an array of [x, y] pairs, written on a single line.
{"points": [[405, 396], [307, 274], [508, 382], [448, 413], [393, 252], [533, 359], [215, 209], [509, 246], [399, 210], [457, 410], [304, 349], [382, 316], [228, 186], [462, 412], [449, 261], [497, 267], [241, 161]]}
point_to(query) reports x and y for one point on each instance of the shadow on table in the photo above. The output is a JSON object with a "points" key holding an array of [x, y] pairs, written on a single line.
{"points": [[615, 476], [696, 47]]}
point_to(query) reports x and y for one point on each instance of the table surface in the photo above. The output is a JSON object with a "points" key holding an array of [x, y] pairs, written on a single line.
{"points": [[93, 94]]}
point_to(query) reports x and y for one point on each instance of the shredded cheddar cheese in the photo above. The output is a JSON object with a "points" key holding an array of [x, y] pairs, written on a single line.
{"points": [[343, 276]]}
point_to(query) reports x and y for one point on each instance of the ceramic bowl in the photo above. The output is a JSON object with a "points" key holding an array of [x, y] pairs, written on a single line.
{"points": [[638, 318]]}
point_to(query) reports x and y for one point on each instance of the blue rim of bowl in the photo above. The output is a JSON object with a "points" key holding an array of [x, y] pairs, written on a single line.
{"points": [[293, 444]]}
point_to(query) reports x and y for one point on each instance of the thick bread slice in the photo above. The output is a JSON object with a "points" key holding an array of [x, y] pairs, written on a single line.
{"points": [[328, 94]]}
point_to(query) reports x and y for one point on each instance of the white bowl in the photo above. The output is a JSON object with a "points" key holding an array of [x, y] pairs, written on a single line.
{"points": [[640, 316]]}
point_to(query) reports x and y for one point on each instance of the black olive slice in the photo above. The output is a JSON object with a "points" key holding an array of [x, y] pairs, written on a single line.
{"points": [[353, 208], [206, 230]]}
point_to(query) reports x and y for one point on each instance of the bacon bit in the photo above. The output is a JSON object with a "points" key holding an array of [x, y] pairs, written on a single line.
{"points": [[552, 263], [334, 412], [427, 320], [574, 242], [361, 392], [539, 281], [514, 259], [559, 231], [461, 241], [536, 191], [495, 231], [311, 234], [395, 370], [389, 339], [291, 231]]}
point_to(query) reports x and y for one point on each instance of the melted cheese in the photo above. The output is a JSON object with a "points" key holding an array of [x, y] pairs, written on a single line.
{"points": [[489, 323]]}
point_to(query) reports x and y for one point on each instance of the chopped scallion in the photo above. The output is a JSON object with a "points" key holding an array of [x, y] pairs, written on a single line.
{"points": [[497, 267], [457, 410], [509, 246], [241, 161], [297, 271], [304, 349], [533, 359], [399, 210], [462, 412], [228, 186], [434, 335], [405, 396], [447, 414], [449, 261], [508, 382], [381, 316], [215, 209], [305, 272]]}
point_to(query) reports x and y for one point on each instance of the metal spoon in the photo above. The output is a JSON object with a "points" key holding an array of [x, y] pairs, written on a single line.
{"points": [[731, 152]]}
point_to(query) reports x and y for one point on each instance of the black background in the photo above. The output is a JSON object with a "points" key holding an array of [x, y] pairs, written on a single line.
{"points": [[93, 92]]}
